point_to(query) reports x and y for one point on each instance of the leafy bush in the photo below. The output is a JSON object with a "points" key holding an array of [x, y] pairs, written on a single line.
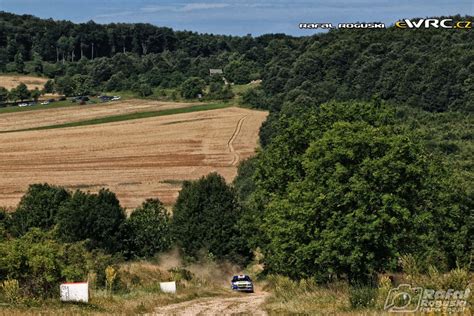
{"points": [[49, 86], [255, 97], [38, 208], [95, 217], [147, 230], [143, 89], [117, 82], [40, 263], [205, 217], [192, 87]]}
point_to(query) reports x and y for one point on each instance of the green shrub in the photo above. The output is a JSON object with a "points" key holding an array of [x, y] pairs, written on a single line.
{"points": [[205, 220], [95, 217], [362, 296], [38, 208], [147, 230], [192, 87], [40, 263]]}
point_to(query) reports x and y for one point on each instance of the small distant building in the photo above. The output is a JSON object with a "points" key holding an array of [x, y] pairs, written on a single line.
{"points": [[215, 72]]}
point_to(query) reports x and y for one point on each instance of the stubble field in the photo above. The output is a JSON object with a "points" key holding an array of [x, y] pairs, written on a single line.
{"points": [[76, 113], [32, 82], [137, 159]]}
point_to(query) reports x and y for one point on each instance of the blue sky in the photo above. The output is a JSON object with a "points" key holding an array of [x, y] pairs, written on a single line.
{"points": [[237, 17]]}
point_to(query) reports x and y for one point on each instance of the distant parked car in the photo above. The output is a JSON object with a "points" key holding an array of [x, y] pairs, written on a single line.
{"points": [[116, 98], [242, 283], [23, 104], [80, 99], [45, 103], [105, 98]]}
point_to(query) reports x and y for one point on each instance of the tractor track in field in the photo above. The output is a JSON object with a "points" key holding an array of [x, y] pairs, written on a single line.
{"points": [[230, 143]]}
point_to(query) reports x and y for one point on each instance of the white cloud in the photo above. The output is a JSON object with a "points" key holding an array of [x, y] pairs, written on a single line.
{"points": [[158, 8], [204, 6]]}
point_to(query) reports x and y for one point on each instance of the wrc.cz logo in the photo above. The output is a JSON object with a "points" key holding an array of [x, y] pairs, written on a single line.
{"points": [[433, 23]]}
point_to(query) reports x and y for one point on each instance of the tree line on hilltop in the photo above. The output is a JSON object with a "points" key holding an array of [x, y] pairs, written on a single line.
{"points": [[429, 69]]}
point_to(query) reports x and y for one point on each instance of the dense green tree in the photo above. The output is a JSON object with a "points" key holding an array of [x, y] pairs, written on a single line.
{"points": [[49, 86], [64, 85], [143, 89], [244, 183], [205, 218], [255, 97], [192, 87], [147, 231], [240, 71], [364, 197], [38, 208], [83, 85], [51, 70], [37, 64], [19, 63], [35, 94], [117, 82], [22, 92], [4, 223], [13, 95], [3, 94], [342, 191], [93, 217]]}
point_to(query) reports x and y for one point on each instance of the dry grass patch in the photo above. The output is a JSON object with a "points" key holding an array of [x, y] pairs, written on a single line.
{"points": [[32, 82]]}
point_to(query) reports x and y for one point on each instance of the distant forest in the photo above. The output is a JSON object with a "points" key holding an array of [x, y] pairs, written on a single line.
{"points": [[428, 69]]}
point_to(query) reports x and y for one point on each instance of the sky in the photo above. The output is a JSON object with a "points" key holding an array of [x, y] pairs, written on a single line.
{"points": [[234, 17]]}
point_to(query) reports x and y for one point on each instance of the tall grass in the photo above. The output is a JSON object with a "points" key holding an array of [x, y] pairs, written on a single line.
{"points": [[305, 296], [456, 279]]}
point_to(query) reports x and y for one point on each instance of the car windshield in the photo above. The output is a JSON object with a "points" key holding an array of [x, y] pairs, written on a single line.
{"points": [[241, 278]]}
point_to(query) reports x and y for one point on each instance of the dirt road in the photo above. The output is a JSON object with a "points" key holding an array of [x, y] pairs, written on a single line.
{"points": [[246, 304]]}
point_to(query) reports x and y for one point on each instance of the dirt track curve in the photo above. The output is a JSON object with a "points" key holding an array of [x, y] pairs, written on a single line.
{"points": [[249, 304], [230, 144]]}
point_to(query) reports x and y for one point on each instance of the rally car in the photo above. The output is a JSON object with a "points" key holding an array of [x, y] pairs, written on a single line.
{"points": [[242, 283]]}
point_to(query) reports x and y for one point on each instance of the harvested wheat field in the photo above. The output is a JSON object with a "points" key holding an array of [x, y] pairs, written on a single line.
{"points": [[137, 159], [76, 113], [11, 81]]}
